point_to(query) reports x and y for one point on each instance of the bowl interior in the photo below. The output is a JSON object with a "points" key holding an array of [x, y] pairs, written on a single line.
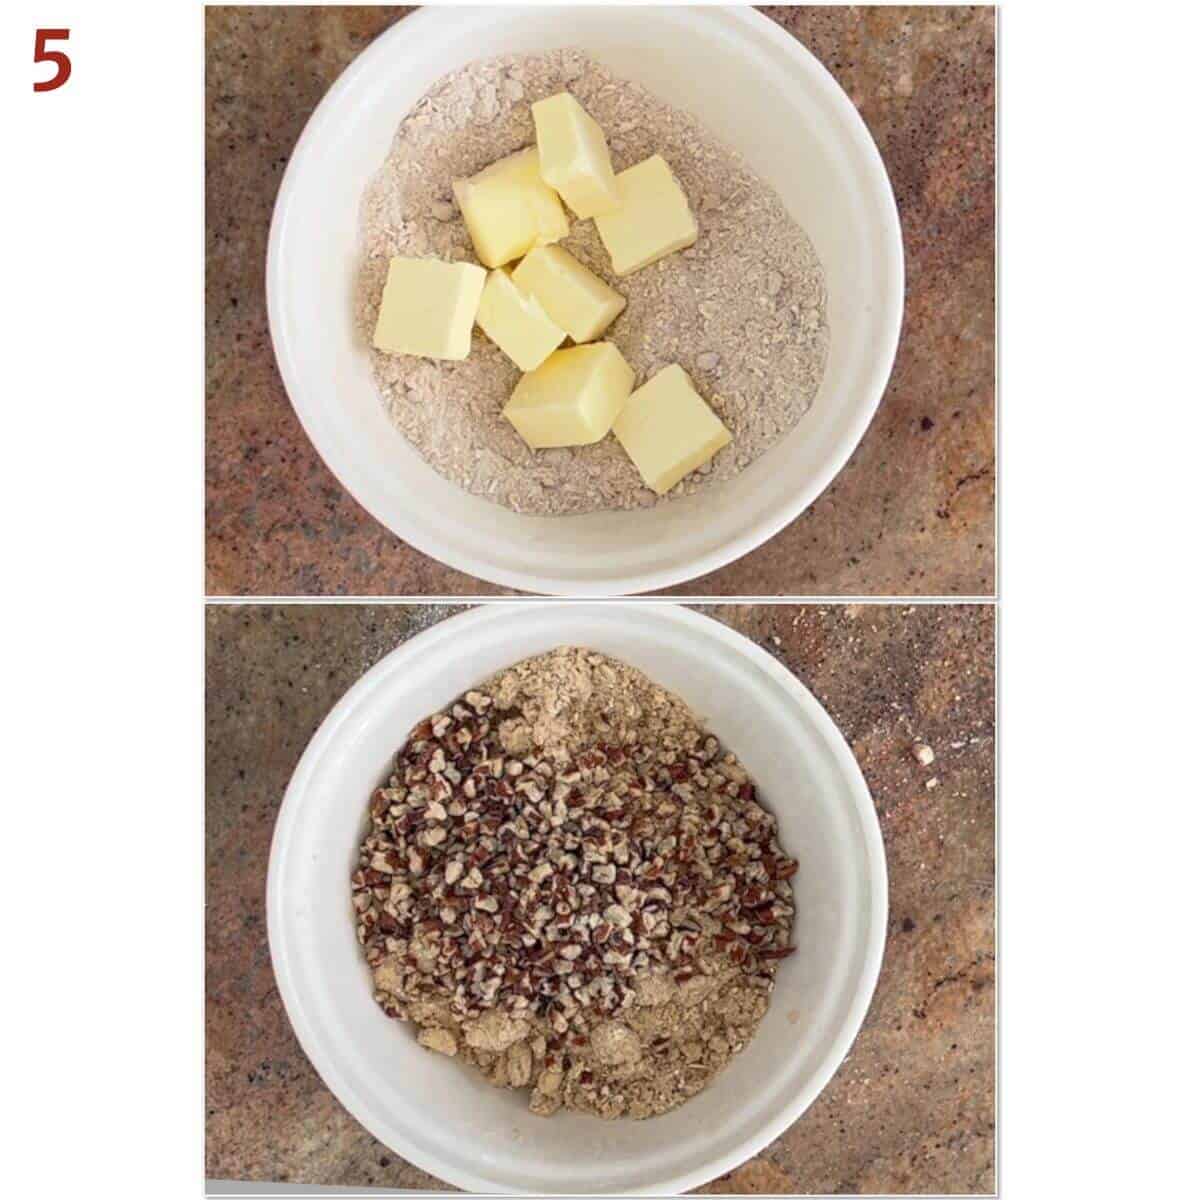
{"points": [[440, 1114], [758, 90]]}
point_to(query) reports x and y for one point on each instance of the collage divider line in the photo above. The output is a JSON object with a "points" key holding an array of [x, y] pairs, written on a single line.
{"points": [[235, 601]]}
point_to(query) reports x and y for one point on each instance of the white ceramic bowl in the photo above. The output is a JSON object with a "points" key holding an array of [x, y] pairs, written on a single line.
{"points": [[755, 87], [443, 1116]]}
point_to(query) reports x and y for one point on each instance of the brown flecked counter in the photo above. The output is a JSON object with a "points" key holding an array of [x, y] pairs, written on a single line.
{"points": [[911, 514], [910, 1110]]}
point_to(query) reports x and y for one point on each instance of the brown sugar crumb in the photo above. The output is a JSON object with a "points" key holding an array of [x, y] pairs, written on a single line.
{"points": [[569, 885]]}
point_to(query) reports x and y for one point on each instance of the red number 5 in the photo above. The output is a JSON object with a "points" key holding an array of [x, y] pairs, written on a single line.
{"points": [[61, 62]]}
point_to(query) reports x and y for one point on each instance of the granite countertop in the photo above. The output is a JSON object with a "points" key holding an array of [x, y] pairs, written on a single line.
{"points": [[911, 514], [912, 1107]]}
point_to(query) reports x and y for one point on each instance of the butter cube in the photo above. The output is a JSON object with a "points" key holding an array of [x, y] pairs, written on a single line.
{"points": [[516, 322], [577, 300], [572, 398], [668, 430], [509, 208], [654, 219], [574, 157], [428, 307]]}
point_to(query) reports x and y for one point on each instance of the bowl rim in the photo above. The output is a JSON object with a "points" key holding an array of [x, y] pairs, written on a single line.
{"points": [[447, 633], [891, 299]]}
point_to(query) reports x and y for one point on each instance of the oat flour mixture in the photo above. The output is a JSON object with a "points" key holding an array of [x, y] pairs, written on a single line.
{"points": [[570, 886], [742, 311]]}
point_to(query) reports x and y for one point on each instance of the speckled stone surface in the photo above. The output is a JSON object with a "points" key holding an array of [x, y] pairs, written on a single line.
{"points": [[911, 1109], [911, 514]]}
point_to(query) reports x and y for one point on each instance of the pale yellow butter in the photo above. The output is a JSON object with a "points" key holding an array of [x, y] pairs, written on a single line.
{"points": [[577, 300], [509, 208], [429, 307], [516, 322], [572, 398], [668, 430], [573, 154], [654, 219]]}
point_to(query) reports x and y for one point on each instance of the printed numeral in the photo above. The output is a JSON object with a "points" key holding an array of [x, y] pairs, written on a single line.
{"points": [[62, 64]]}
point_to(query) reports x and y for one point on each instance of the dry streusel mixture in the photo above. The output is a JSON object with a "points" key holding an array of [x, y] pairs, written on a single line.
{"points": [[742, 311], [569, 885]]}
